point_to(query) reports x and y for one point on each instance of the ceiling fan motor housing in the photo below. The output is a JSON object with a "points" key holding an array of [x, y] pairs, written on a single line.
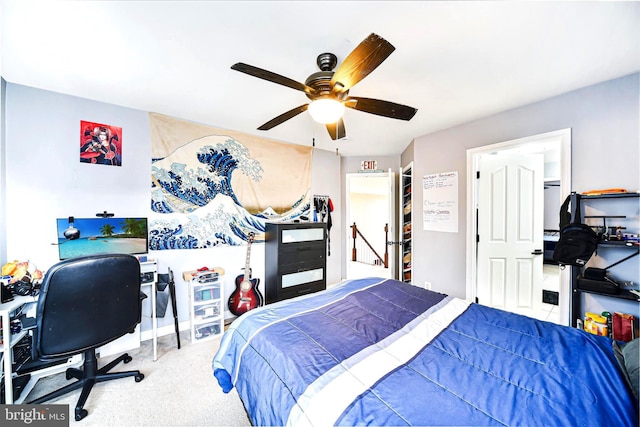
{"points": [[321, 80]]}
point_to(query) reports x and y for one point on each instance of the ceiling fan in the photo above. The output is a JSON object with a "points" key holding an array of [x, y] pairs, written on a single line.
{"points": [[332, 88]]}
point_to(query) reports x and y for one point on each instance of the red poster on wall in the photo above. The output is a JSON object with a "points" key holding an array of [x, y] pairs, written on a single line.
{"points": [[100, 144]]}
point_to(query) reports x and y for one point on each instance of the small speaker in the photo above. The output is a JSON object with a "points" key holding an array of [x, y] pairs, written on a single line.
{"points": [[5, 294]]}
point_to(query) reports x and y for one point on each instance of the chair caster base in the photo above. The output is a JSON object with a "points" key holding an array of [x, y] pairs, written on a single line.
{"points": [[81, 413]]}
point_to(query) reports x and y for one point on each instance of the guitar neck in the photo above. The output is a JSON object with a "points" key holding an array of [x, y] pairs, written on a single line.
{"points": [[247, 269]]}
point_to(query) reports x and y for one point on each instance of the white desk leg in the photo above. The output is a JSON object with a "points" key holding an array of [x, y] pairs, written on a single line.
{"points": [[6, 344], [154, 320]]}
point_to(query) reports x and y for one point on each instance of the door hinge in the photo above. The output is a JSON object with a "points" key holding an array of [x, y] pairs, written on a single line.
{"points": [[478, 175], [477, 238], [477, 300]]}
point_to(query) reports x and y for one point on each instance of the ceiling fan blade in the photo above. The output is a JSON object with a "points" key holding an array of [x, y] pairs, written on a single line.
{"points": [[284, 117], [365, 58], [336, 130], [272, 77], [381, 108]]}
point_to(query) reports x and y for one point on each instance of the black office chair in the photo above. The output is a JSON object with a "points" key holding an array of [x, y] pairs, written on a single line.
{"points": [[85, 303]]}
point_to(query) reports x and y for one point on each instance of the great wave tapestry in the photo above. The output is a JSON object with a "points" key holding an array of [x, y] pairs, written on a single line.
{"points": [[212, 187]]}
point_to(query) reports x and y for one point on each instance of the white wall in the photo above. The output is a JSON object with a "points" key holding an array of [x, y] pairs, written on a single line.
{"points": [[3, 175], [325, 180], [552, 203], [45, 181], [605, 126]]}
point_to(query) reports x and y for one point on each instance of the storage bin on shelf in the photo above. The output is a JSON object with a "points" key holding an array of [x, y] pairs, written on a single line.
{"points": [[206, 311]]}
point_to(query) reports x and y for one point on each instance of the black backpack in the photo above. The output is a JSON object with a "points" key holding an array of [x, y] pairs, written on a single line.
{"points": [[577, 241]]}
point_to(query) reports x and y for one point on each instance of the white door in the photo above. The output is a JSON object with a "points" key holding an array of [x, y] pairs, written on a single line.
{"points": [[391, 235], [510, 232]]}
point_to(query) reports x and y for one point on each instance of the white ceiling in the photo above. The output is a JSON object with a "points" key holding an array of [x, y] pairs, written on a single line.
{"points": [[454, 61]]}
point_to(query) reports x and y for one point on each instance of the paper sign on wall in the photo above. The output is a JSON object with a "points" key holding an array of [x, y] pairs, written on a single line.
{"points": [[440, 202]]}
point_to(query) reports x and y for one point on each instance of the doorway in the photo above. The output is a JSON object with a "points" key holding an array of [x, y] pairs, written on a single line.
{"points": [[555, 147], [370, 205]]}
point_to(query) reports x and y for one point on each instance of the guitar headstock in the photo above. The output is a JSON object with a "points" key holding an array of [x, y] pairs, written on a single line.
{"points": [[250, 237]]}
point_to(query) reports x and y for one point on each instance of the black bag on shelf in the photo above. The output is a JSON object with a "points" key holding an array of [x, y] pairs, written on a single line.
{"points": [[577, 241]]}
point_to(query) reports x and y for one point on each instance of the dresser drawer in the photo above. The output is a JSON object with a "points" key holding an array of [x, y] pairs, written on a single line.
{"points": [[295, 283], [299, 235], [301, 253], [295, 277]]}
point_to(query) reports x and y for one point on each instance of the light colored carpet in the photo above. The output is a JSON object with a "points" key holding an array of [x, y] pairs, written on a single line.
{"points": [[178, 389]]}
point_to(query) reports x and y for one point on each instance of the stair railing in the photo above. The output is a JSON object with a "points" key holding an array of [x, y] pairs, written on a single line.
{"points": [[364, 249]]}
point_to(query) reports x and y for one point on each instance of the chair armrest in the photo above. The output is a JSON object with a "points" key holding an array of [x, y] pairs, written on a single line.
{"points": [[142, 297]]}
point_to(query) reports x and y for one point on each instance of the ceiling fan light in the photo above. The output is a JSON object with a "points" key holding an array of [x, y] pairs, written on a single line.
{"points": [[326, 110]]}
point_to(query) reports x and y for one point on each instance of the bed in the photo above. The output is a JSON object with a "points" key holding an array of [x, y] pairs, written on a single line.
{"points": [[381, 352]]}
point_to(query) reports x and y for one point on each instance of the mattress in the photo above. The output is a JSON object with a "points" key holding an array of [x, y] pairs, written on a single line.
{"points": [[381, 352]]}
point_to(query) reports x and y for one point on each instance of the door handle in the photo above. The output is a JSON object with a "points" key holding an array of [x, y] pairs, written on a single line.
{"points": [[537, 252]]}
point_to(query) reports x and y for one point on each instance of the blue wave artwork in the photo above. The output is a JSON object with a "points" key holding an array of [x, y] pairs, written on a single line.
{"points": [[192, 194]]}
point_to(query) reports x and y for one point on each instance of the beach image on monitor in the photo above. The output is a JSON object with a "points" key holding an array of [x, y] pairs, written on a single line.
{"points": [[88, 236]]}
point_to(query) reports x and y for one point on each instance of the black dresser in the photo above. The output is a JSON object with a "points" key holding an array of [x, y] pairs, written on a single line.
{"points": [[295, 259]]}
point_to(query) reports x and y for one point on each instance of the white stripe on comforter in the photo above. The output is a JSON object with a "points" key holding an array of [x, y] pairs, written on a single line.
{"points": [[327, 397]]}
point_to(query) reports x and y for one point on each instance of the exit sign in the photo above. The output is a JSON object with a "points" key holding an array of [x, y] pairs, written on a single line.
{"points": [[368, 165]]}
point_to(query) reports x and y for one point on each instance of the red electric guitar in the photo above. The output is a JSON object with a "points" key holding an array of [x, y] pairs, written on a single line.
{"points": [[246, 296]]}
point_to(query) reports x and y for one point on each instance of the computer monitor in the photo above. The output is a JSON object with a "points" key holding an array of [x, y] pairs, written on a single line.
{"points": [[90, 236]]}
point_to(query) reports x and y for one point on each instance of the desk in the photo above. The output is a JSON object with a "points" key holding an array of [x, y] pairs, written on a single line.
{"points": [[151, 266], [9, 340]]}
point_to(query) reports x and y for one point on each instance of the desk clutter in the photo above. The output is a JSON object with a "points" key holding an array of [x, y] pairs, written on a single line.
{"points": [[188, 275], [19, 278], [19, 270]]}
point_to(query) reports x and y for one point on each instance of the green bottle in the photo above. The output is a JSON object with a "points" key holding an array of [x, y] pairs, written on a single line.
{"points": [[607, 315]]}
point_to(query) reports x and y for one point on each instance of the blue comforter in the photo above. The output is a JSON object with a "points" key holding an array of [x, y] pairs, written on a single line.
{"points": [[381, 352]]}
